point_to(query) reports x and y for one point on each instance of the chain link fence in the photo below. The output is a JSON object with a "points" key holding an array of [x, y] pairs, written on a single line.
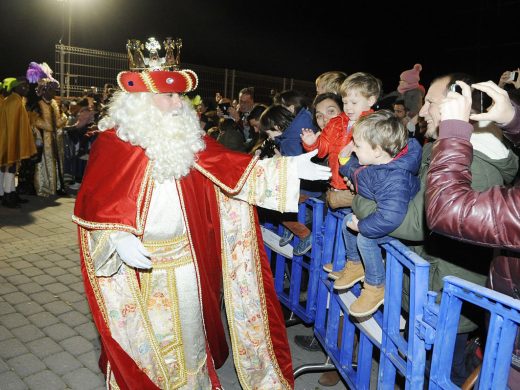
{"points": [[79, 69]]}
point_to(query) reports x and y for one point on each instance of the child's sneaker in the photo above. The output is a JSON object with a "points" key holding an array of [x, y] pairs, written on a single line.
{"points": [[351, 274], [368, 302], [303, 246], [286, 238]]}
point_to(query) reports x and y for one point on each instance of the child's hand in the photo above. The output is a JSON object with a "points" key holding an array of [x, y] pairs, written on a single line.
{"points": [[349, 184], [309, 137], [353, 224], [347, 150]]}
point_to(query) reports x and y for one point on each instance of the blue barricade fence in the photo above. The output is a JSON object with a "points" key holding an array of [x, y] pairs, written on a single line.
{"points": [[381, 331], [301, 302], [406, 355], [350, 342], [504, 320]]}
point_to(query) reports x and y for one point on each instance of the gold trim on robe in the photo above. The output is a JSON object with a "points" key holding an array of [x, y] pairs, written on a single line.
{"points": [[144, 318]]}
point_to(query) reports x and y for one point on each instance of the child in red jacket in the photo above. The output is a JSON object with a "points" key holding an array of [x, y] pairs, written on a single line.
{"points": [[359, 93]]}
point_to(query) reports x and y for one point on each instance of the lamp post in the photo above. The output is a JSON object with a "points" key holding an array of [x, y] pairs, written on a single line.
{"points": [[68, 44], [68, 4], [65, 76]]}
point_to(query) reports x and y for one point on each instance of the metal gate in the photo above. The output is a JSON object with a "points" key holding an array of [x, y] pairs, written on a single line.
{"points": [[79, 68]]}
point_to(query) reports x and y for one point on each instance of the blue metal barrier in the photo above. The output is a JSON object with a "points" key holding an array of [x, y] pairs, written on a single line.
{"points": [[428, 324], [504, 320], [288, 266], [406, 355], [333, 250], [381, 331]]}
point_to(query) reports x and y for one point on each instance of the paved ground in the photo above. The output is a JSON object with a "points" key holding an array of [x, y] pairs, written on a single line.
{"points": [[47, 337]]}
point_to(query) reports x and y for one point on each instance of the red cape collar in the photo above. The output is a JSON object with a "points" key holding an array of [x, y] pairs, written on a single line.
{"points": [[117, 186]]}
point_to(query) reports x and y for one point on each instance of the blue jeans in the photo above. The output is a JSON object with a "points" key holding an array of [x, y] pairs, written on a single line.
{"points": [[369, 248]]}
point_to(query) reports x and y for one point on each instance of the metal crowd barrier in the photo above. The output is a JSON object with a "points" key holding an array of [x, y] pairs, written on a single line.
{"points": [[343, 337], [504, 320], [399, 353], [290, 271], [401, 345]]}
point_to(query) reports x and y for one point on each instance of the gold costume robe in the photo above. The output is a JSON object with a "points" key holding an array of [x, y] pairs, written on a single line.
{"points": [[16, 137], [49, 123]]}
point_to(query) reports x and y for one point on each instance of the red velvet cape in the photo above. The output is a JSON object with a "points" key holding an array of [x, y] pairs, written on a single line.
{"points": [[110, 195]]}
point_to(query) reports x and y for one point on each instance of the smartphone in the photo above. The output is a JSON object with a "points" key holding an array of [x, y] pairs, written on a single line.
{"points": [[485, 101], [455, 88], [224, 107], [513, 76]]}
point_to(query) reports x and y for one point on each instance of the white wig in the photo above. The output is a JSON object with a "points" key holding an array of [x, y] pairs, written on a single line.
{"points": [[170, 139]]}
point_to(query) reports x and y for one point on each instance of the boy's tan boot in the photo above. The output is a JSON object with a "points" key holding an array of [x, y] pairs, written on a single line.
{"points": [[335, 275], [368, 302], [327, 267], [351, 274]]}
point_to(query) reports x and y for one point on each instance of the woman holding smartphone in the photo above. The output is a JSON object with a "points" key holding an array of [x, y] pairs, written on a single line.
{"points": [[510, 77]]}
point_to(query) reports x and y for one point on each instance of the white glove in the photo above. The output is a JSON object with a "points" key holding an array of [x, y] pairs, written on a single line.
{"points": [[132, 251], [308, 170]]}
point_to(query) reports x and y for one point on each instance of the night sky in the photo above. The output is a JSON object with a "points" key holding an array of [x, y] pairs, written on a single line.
{"points": [[279, 38]]}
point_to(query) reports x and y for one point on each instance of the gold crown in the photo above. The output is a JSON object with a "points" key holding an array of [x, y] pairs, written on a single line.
{"points": [[138, 62]]}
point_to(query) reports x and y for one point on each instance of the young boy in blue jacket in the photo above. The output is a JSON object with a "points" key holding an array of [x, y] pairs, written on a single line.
{"points": [[384, 169]]}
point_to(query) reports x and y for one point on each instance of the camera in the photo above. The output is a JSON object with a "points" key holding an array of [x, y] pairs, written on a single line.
{"points": [[513, 76], [224, 107], [484, 101], [267, 149]]}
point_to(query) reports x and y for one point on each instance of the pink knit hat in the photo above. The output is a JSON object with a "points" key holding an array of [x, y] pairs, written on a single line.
{"points": [[410, 79]]}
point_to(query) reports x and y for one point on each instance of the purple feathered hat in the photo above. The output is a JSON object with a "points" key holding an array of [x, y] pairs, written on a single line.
{"points": [[41, 74]]}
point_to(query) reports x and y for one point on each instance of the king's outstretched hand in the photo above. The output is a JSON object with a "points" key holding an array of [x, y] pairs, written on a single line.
{"points": [[132, 251], [307, 170]]}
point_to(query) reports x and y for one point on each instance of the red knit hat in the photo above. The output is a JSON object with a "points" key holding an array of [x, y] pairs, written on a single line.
{"points": [[156, 74]]}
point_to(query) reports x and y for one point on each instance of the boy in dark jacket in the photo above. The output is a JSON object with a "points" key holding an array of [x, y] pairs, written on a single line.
{"points": [[384, 169]]}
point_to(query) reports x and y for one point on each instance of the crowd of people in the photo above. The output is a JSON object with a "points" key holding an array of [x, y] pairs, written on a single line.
{"points": [[432, 167], [45, 139], [389, 173]]}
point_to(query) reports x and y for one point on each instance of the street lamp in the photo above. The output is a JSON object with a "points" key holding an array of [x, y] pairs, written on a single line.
{"points": [[65, 77], [68, 4]]}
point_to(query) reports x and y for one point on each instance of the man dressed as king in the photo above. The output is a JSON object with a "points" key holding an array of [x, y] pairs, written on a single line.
{"points": [[166, 223]]}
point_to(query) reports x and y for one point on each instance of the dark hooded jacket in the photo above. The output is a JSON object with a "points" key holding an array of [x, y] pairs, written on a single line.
{"points": [[392, 186], [289, 142]]}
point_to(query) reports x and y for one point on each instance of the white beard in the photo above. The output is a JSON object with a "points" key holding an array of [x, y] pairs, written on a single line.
{"points": [[171, 140]]}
